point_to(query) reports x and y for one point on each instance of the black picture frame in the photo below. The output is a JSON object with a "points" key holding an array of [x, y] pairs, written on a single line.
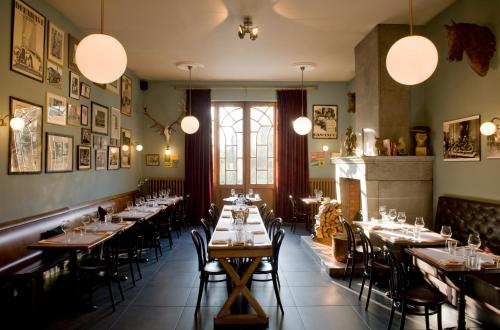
{"points": [[325, 121], [79, 153]]}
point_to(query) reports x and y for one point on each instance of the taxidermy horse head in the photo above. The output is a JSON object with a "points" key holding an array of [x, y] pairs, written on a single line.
{"points": [[478, 42]]}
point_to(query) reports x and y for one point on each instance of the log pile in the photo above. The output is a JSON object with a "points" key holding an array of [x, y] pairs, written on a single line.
{"points": [[328, 222]]}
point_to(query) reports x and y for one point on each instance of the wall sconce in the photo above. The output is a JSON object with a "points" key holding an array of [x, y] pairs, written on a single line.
{"points": [[138, 147], [325, 148], [490, 127], [16, 123], [168, 151]]}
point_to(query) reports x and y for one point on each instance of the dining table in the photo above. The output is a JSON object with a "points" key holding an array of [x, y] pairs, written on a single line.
{"points": [[253, 199], [223, 246], [457, 265]]}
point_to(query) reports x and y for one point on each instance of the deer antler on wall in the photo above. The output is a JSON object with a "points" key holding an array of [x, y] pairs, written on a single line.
{"points": [[167, 131]]}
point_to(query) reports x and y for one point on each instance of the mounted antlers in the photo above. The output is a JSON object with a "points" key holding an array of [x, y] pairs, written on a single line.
{"points": [[167, 131]]}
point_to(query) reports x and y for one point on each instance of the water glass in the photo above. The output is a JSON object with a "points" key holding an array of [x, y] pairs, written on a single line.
{"points": [[452, 247], [473, 261], [419, 222], [417, 233], [250, 192], [249, 238], [382, 211], [393, 214], [474, 241], [65, 227]]}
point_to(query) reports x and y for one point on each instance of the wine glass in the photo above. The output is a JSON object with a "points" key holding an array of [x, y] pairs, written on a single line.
{"points": [[401, 217], [419, 224], [155, 195], [474, 241], [167, 193], [382, 211], [130, 205], [250, 192], [446, 234], [393, 214], [86, 220], [65, 227], [148, 196]]}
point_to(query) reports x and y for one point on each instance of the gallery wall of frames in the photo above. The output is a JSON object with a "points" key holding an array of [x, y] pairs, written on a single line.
{"points": [[75, 131]]}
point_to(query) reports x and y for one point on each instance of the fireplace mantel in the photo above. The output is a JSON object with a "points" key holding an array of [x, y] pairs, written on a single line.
{"points": [[401, 182]]}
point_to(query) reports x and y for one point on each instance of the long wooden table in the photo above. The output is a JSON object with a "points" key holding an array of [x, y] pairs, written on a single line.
{"points": [[454, 265], [220, 249]]}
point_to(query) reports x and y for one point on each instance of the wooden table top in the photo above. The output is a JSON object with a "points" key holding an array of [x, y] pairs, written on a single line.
{"points": [[441, 259], [81, 240], [218, 246]]}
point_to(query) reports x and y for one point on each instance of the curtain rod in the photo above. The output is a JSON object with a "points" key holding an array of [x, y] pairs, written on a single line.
{"points": [[233, 87]]}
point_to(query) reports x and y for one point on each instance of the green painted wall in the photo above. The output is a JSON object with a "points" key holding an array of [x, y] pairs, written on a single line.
{"points": [[162, 102], [455, 91], [24, 195]]}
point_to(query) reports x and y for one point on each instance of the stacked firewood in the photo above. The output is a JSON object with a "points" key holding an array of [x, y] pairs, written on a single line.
{"points": [[327, 221]]}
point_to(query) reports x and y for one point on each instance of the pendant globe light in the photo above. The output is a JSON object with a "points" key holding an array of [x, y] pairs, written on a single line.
{"points": [[412, 59], [189, 123], [100, 57], [303, 125]]}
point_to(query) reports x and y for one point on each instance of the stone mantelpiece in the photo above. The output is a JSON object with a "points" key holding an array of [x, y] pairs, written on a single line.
{"points": [[401, 182]]}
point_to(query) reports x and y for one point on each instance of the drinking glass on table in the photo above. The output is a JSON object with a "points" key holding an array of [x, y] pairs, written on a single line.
{"points": [[86, 220], [250, 192], [446, 234], [393, 214], [167, 193], [419, 225], [65, 227], [130, 205], [474, 242], [148, 196], [382, 211], [233, 192], [155, 195]]}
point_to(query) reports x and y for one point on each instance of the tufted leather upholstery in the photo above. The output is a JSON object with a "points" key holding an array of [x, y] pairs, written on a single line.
{"points": [[466, 216]]}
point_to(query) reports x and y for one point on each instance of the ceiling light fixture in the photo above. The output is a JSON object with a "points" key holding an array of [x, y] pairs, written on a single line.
{"points": [[413, 59], [100, 57], [303, 125], [189, 123], [248, 27]]}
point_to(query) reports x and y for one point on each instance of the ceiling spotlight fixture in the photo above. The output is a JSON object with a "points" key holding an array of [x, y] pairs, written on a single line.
{"points": [[248, 27], [412, 59], [303, 125], [100, 57], [189, 123]]}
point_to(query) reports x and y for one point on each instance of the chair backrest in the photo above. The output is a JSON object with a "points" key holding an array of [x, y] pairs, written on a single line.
{"points": [[292, 203], [214, 207], [397, 278], [366, 244], [200, 249], [277, 240], [187, 208], [263, 208], [206, 228], [274, 226], [268, 217], [351, 241], [213, 218]]}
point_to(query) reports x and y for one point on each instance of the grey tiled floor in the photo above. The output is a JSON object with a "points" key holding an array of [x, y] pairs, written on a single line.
{"points": [[166, 298]]}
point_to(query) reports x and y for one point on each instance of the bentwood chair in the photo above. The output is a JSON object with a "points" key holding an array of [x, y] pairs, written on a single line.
{"points": [[263, 208], [206, 268], [351, 249], [214, 207], [297, 215], [206, 229], [274, 226], [213, 219], [268, 217], [270, 267], [411, 299], [372, 267]]}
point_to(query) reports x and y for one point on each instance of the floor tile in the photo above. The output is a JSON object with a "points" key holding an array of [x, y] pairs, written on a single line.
{"points": [[318, 296], [308, 279], [162, 296], [138, 317], [330, 317]]}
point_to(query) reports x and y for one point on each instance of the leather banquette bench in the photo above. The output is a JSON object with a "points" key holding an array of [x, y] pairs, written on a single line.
{"points": [[21, 265], [483, 290]]}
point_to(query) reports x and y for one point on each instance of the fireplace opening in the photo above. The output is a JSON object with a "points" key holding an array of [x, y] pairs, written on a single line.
{"points": [[350, 196]]}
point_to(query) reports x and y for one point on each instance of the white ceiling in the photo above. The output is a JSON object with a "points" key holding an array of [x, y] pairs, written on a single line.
{"points": [[158, 33]]}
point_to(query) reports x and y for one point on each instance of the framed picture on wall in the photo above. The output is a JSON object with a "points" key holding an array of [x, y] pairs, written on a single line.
{"points": [[152, 160], [72, 44], [25, 145], [126, 95], [100, 159], [74, 85], [27, 41], [99, 118], [324, 122], [115, 124], [126, 142], [113, 158], [56, 109], [493, 141], [74, 115], [83, 156], [84, 90], [86, 136], [59, 153], [114, 87], [54, 75], [56, 44], [462, 139], [85, 114]]}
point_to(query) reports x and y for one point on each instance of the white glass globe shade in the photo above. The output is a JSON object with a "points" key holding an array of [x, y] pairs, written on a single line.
{"points": [[190, 124], [138, 147], [17, 123], [412, 60], [488, 128], [325, 148], [168, 151], [101, 58], [302, 125], [125, 147]]}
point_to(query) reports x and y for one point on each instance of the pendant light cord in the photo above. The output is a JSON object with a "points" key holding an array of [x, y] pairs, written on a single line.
{"points": [[302, 90], [410, 15], [102, 16], [190, 67]]}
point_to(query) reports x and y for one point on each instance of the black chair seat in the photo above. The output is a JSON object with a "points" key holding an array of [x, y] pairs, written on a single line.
{"points": [[422, 295], [214, 268]]}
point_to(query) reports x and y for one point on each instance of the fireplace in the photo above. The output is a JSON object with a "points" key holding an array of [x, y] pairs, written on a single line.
{"points": [[401, 182]]}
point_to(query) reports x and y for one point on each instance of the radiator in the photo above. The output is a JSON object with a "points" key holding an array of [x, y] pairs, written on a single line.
{"points": [[326, 185], [176, 185]]}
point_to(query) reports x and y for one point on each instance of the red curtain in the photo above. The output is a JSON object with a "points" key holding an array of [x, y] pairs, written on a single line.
{"points": [[292, 176], [198, 151]]}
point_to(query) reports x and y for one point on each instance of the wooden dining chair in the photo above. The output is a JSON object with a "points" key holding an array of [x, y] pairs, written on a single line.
{"points": [[206, 229], [274, 226], [351, 249], [297, 214], [270, 267], [213, 219], [404, 295], [206, 268], [214, 207], [372, 267], [263, 208], [268, 217]]}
